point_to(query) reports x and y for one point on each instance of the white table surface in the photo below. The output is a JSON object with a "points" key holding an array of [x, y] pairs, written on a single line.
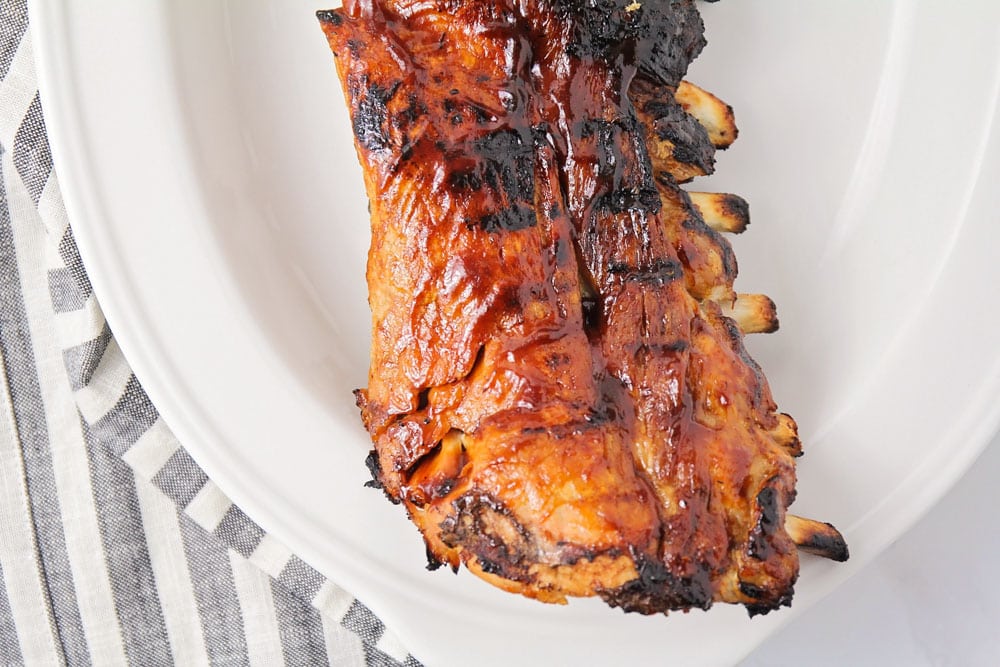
{"points": [[932, 598]]}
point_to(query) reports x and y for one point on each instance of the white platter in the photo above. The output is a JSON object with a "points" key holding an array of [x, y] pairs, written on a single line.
{"points": [[205, 156]]}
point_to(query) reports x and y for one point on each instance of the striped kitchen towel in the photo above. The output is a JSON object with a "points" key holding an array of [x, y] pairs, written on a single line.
{"points": [[115, 548]]}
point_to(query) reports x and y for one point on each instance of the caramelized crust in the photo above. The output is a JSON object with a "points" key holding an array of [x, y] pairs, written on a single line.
{"points": [[556, 394]]}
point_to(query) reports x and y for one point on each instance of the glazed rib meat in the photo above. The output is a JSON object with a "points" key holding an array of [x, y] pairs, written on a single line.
{"points": [[559, 393]]}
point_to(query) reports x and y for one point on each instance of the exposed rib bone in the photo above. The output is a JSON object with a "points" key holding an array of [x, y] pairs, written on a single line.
{"points": [[722, 212], [817, 538], [715, 115], [786, 434], [755, 313]]}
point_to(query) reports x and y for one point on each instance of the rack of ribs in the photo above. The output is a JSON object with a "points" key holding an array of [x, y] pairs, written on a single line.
{"points": [[559, 394]]}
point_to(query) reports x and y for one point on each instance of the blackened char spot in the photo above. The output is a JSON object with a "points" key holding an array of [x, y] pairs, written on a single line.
{"points": [[375, 468], [678, 39], [688, 155], [541, 135], [443, 489], [485, 528], [330, 16], [482, 115], [601, 414], [767, 523], [829, 545], [432, 561], [371, 116], [371, 462], [736, 207], [465, 180], [405, 152], [646, 200], [414, 110], [609, 137], [660, 272], [507, 162], [691, 144], [602, 28], [489, 567], [657, 589], [764, 608], [661, 37], [509, 219], [505, 165], [658, 108]]}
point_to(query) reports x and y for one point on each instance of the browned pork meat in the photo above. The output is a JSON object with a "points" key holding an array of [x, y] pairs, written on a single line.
{"points": [[559, 394]]}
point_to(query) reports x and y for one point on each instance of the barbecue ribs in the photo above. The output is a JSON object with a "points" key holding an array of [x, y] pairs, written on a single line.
{"points": [[559, 394]]}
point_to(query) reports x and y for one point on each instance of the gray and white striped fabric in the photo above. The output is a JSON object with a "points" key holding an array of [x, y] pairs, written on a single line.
{"points": [[115, 548]]}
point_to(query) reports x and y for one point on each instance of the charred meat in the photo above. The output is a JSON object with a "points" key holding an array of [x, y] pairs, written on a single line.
{"points": [[559, 394]]}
